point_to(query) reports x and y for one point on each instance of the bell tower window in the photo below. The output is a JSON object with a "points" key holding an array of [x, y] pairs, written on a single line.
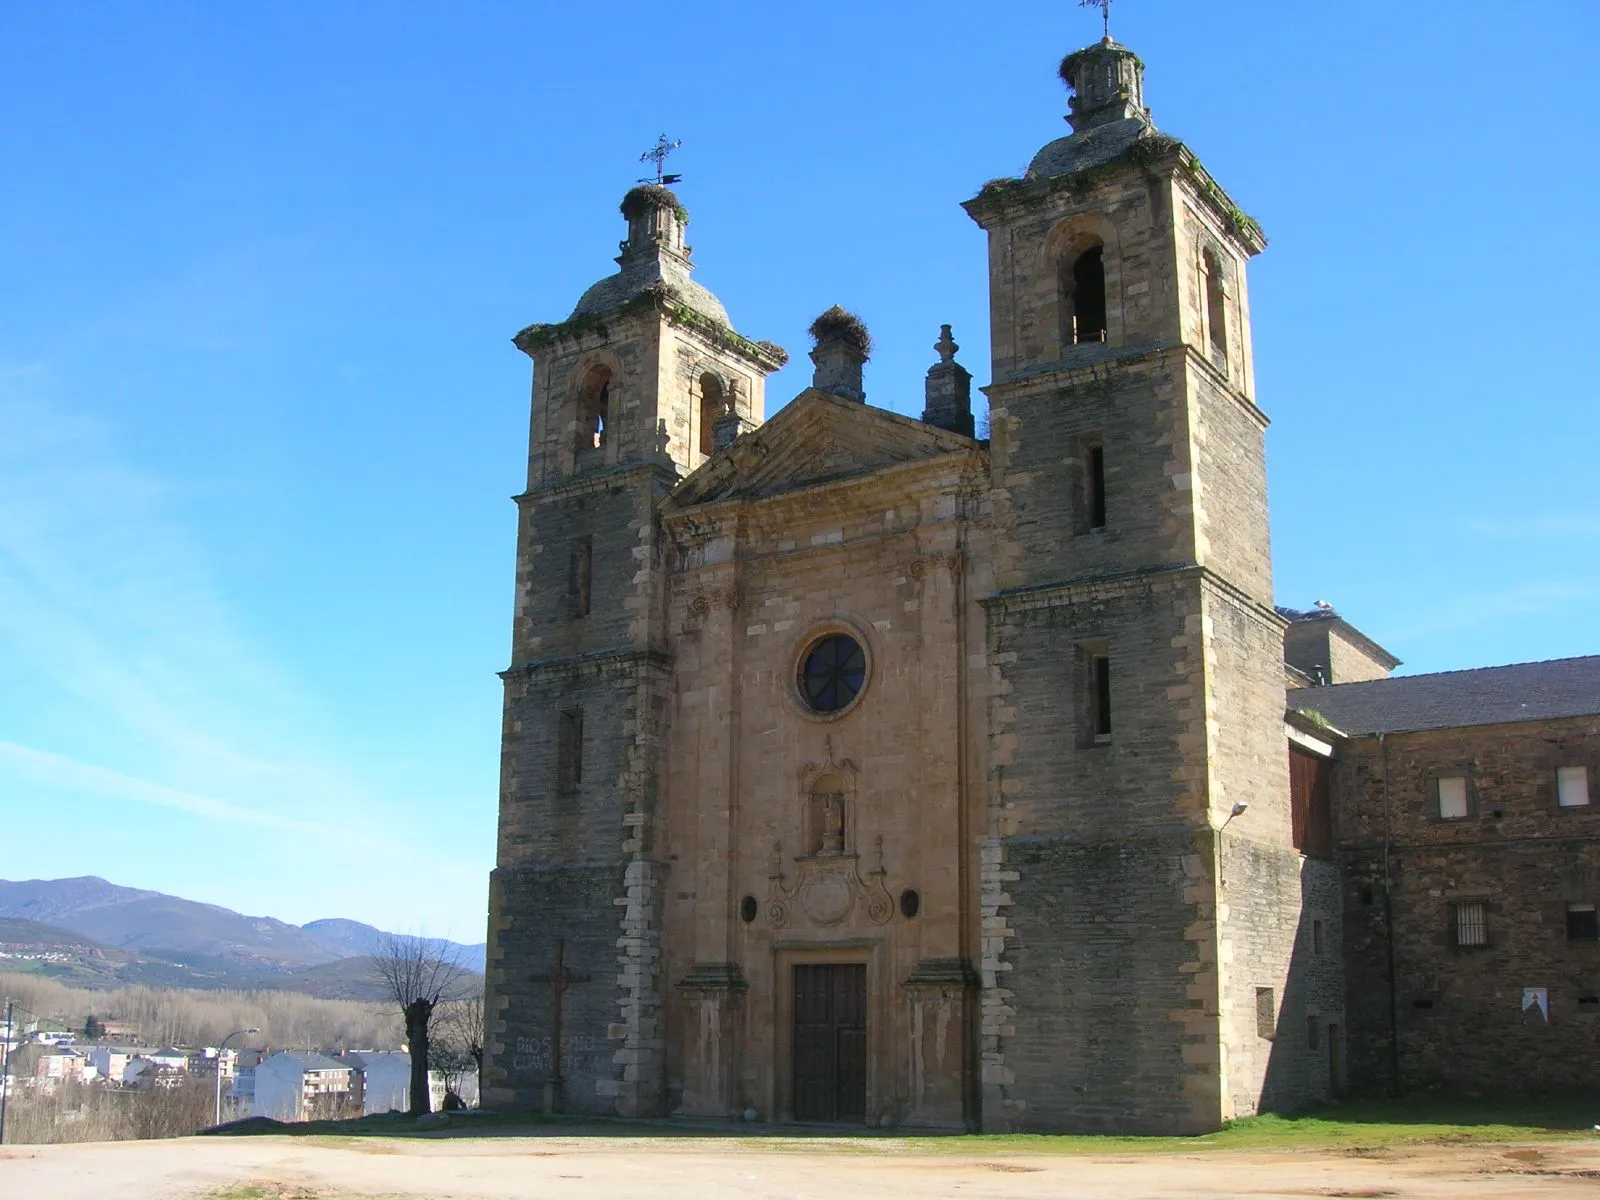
{"points": [[594, 409], [711, 407], [1216, 304], [1083, 296]]}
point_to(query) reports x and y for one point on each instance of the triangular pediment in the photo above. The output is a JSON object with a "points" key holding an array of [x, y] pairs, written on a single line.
{"points": [[817, 438]]}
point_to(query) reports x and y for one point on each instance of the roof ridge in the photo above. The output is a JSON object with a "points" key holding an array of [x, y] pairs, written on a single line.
{"points": [[1535, 662]]}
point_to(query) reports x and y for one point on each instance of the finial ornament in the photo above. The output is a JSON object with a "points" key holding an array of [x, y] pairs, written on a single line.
{"points": [[658, 154], [946, 345], [1105, 12]]}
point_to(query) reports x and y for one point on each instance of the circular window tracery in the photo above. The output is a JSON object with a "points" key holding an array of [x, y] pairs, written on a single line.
{"points": [[832, 673]]}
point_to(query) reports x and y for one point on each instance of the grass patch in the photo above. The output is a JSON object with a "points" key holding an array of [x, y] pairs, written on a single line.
{"points": [[266, 1189], [1354, 1125]]}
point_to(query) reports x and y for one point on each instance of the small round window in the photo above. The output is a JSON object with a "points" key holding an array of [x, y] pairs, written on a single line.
{"points": [[832, 673]]}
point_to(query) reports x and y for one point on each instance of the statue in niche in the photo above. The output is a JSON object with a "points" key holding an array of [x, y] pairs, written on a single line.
{"points": [[832, 824]]}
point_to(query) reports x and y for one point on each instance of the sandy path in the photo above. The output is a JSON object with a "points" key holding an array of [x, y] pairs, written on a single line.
{"points": [[714, 1169]]}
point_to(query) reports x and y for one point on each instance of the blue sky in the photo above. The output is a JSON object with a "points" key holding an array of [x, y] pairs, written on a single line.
{"points": [[260, 416]]}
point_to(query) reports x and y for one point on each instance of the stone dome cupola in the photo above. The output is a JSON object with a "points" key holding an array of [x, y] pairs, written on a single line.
{"points": [[1107, 83], [1107, 111], [654, 255], [656, 222]]}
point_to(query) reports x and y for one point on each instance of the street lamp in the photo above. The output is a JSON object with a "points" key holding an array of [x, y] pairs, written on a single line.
{"points": [[220, 1049]]}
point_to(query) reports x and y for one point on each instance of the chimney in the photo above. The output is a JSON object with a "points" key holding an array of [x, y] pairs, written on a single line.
{"points": [[843, 345]]}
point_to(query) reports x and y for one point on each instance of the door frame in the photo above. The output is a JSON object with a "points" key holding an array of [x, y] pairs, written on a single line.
{"points": [[865, 952]]}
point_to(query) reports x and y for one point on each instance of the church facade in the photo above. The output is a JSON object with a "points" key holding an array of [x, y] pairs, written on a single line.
{"points": [[859, 771]]}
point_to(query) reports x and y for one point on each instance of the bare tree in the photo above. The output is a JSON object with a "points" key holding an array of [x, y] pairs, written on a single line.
{"points": [[461, 1031], [417, 973]]}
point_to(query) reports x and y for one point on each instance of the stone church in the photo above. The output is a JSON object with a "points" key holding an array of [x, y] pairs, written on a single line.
{"points": [[856, 770]]}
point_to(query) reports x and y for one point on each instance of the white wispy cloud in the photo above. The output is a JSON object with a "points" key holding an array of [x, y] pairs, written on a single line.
{"points": [[124, 673], [1481, 610], [59, 771]]}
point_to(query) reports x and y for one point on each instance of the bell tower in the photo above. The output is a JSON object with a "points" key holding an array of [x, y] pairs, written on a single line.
{"points": [[637, 387], [1144, 888]]}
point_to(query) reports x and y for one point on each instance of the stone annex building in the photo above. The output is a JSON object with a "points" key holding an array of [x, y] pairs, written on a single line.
{"points": [[856, 770]]}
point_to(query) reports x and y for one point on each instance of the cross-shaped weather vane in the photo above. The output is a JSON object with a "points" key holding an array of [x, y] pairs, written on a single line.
{"points": [[1105, 12], [658, 155]]}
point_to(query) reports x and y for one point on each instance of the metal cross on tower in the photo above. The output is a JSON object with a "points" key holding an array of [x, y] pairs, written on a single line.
{"points": [[560, 979], [1105, 12], [658, 155]]}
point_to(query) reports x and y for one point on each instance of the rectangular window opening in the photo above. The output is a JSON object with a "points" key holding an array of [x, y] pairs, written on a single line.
{"points": [[1316, 936], [1452, 790], [1313, 1033], [1422, 1004], [1099, 698], [1266, 1013], [1589, 1001], [569, 751], [1095, 485], [1583, 923], [1572, 786], [580, 568], [1471, 924]]}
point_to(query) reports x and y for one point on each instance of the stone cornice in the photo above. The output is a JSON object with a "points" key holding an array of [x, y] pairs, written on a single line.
{"points": [[1099, 367], [858, 495], [1122, 583], [663, 301], [597, 661], [590, 482], [1002, 200]]}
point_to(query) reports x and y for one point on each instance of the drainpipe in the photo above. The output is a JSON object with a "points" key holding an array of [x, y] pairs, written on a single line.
{"points": [[1388, 923]]}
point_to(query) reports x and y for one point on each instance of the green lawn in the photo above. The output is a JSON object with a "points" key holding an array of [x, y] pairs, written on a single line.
{"points": [[1376, 1123]]}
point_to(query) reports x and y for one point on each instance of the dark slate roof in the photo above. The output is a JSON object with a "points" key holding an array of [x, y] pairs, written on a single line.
{"points": [[1537, 691]]}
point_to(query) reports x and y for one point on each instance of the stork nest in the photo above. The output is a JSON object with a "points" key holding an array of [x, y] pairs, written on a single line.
{"points": [[648, 196], [839, 325]]}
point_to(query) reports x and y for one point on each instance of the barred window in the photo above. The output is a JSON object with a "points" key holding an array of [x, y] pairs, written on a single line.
{"points": [[1471, 924]]}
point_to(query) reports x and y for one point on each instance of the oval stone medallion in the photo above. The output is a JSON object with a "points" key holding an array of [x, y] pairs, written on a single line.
{"points": [[827, 898]]}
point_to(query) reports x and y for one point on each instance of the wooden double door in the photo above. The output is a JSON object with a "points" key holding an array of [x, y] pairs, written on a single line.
{"points": [[830, 1042]]}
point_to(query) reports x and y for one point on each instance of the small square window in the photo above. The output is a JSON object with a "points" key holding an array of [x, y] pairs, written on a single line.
{"points": [[1583, 924], [1471, 924], [1572, 786], [1452, 791]]}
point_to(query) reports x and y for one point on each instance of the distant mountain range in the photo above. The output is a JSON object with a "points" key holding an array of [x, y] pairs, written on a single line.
{"points": [[92, 933]]}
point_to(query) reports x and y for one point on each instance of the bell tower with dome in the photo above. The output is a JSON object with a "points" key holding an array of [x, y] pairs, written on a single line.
{"points": [[1147, 894], [631, 392]]}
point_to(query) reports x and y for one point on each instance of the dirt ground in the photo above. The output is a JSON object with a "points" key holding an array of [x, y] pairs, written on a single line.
{"points": [[466, 1168]]}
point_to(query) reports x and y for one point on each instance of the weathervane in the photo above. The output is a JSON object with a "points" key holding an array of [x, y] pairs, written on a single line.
{"points": [[1105, 12], [658, 155]]}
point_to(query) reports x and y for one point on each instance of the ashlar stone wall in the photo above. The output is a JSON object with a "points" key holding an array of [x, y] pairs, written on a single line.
{"points": [[1455, 1017]]}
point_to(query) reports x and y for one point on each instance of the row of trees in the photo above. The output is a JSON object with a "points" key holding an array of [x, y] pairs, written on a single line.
{"points": [[184, 1017]]}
